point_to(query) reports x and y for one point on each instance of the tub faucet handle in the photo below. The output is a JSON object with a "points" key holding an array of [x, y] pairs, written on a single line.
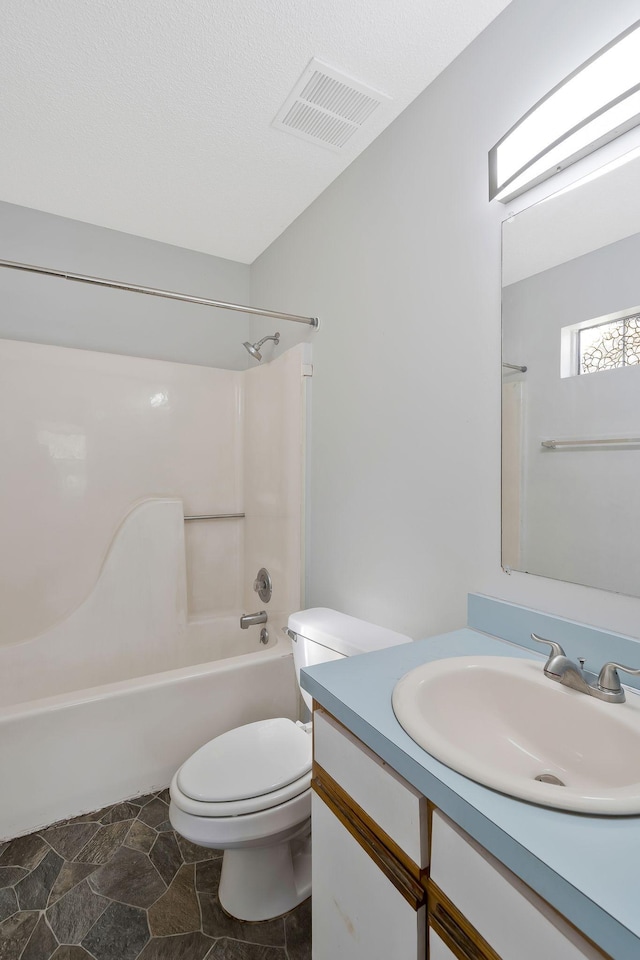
{"points": [[263, 585]]}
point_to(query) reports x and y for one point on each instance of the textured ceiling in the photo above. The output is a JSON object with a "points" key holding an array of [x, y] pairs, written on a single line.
{"points": [[154, 116]]}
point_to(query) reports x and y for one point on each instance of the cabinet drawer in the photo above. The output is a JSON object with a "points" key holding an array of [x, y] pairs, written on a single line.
{"points": [[392, 803], [357, 913], [513, 920]]}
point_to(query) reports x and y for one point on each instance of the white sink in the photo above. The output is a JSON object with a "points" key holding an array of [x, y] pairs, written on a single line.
{"points": [[501, 722]]}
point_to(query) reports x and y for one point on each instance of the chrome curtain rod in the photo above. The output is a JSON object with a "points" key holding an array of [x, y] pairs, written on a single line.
{"points": [[215, 516], [612, 441], [154, 292]]}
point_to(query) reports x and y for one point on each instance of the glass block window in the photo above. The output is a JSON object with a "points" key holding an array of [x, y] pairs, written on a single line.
{"points": [[605, 346]]}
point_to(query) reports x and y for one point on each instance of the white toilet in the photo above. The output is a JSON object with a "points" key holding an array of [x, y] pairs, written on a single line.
{"points": [[248, 791]]}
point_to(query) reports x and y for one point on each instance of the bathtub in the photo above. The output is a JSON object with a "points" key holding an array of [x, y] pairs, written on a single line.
{"points": [[106, 704], [77, 751]]}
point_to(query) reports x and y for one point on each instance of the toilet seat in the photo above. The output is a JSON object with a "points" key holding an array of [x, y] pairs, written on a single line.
{"points": [[236, 808], [250, 768], [260, 828]]}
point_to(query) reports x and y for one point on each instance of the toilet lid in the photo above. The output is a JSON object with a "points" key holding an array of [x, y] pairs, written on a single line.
{"points": [[249, 761]]}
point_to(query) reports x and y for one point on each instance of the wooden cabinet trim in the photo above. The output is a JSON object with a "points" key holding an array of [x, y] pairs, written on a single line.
{"points": [[451, 926], [353, 819]]}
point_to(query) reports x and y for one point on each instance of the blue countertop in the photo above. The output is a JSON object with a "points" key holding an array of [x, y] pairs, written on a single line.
{"points": [[587, 867]]}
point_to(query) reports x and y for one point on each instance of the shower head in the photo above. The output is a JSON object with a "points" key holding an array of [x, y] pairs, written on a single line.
{"points": [[254, 348]]}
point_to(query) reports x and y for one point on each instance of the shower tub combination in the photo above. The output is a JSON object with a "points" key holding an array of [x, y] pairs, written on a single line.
{"points": [[106, 705]]}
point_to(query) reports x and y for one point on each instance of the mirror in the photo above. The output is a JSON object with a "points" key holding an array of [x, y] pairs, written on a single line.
{"points": [[571, 420]]}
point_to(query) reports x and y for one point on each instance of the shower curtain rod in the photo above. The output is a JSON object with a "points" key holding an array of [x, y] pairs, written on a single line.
{"points": [[154, 292]]}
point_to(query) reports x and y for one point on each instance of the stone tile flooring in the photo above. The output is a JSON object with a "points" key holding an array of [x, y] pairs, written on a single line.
{"points": [[119, 884]]}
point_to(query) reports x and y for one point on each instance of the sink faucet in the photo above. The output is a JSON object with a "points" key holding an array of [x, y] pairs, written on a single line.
{"points": [[604, 686], [251, 619]]}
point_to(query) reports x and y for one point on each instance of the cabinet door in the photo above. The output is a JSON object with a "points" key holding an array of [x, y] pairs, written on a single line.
{"points": [[358, 913], [513, 920]]}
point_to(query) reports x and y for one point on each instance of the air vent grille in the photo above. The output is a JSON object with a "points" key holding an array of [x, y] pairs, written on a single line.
{"points": [[338, 98], [306, 119], [327, 107]]}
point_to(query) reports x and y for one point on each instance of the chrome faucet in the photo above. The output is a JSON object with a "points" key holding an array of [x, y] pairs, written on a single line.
{"points": [[605, 686], [251, 619]]}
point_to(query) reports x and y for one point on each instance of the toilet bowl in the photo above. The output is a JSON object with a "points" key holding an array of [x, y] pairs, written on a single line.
{"points": [[248, 791]]}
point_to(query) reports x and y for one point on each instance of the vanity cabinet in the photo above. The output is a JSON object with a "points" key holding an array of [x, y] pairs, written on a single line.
{"points": [[395, 879]]}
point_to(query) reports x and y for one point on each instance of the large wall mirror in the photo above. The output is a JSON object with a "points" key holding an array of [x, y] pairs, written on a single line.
{"points": [[571, 420]]}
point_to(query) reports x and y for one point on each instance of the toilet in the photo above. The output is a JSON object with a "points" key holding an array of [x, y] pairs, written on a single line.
{"points": [[248, 791]]}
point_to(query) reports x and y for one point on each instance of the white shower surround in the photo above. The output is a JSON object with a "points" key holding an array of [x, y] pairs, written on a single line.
{"points": [[92, 434], [108, 703], [109, 695], [133, 622]]}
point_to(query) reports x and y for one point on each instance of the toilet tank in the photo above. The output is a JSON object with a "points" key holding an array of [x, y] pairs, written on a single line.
{"points": [[321, 634]]}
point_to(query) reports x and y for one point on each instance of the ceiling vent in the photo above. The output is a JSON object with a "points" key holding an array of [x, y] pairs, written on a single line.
{"points": [[327, 107]]}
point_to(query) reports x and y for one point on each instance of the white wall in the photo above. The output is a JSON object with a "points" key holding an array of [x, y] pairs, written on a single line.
{"points": [[400, 258], [55, 311]]}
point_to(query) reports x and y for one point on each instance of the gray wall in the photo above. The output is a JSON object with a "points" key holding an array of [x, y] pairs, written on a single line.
{"points": [[400, 258], [55, 311]]}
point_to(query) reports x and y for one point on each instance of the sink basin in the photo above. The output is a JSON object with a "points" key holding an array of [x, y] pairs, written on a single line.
{"points": [[501, 722]]}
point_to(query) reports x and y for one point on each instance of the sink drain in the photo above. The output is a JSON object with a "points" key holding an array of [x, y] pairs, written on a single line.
{"points": [[549, 778]]}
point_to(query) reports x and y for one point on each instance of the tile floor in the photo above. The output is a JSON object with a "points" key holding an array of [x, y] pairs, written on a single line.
{"points": [[119, 884]]}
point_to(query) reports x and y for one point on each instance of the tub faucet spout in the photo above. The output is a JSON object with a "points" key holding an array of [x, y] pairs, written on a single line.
{"points": [[251, 619]]}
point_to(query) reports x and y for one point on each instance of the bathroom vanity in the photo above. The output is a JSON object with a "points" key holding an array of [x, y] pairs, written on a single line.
{"points": [[411, 859]]}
